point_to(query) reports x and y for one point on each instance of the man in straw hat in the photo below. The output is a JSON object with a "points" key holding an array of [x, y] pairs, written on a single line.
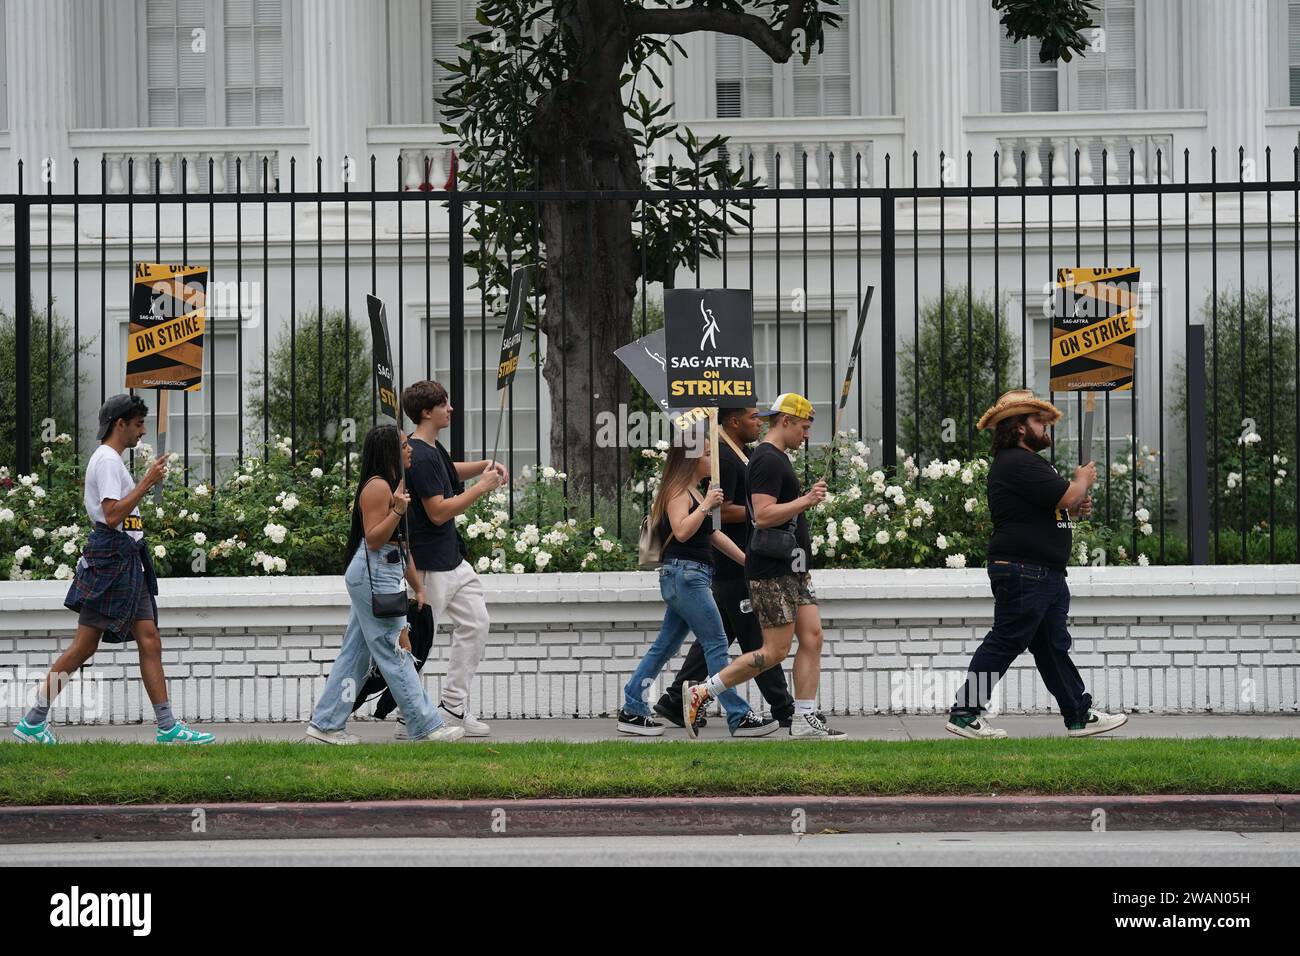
{"points": [[1032, 508]]}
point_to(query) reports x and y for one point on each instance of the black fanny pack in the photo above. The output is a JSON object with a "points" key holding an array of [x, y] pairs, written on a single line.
{"points": [[772, 542]]}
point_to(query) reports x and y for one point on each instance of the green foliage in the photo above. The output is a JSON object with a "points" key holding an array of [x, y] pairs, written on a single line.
{"points": [[942, 361], [295, 373], [52, 367], [1058, 23]]}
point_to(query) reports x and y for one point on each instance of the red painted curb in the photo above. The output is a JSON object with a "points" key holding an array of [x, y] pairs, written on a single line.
{"points": [[673, 816]]}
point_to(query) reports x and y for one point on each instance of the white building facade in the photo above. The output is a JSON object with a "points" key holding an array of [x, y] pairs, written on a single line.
{"points": [[233, 85]]}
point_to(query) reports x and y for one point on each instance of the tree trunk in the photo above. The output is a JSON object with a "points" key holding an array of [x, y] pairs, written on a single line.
{"points": [[582, 142]]}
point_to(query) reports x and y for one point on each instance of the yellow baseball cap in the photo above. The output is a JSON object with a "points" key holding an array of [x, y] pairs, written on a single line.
{"points": [[790, 403]]}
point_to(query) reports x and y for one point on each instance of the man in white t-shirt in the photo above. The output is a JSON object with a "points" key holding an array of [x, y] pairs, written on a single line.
{"points": [[114, 587]]}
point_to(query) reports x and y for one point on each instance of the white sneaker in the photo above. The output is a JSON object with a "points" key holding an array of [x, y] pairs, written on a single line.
{"points": [[472, 726], [444, 734], [814, 726], [1099, 722], [399, 732], [314, 733], [977, 729]]}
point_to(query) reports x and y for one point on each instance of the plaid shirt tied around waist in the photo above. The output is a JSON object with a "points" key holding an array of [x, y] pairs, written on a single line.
{"points": [[108, 580]]}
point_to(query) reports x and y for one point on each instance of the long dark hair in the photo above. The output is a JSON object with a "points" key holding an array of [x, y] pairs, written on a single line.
{"points": [[677, 478], [1006, 433], [381, 455]]}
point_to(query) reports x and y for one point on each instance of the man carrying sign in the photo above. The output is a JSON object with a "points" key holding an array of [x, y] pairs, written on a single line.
{"points": [[450, 584], [1033, 509], [114, 588], [776, 571]]}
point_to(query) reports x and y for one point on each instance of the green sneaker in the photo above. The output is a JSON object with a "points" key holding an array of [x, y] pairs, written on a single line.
{"points": [[182, 734], [39, 734]]}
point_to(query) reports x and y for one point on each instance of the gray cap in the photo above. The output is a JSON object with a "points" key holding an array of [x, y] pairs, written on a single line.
{"points": [[118, 406]]}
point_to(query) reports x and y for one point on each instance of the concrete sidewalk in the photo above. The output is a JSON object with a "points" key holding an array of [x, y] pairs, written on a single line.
{"points": [[881, 727]]}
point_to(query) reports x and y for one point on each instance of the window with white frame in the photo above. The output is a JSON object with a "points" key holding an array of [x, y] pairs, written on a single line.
{"points": [[519, 429], [1028, 85], [1107, 75], [821, 374], [214, 62], [204, 433], [451, 22], [748, 84], [1293, 52]]}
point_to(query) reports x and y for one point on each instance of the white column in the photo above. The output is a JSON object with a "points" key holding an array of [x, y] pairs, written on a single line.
{"points": [[1233, 45], [39, 35], [931, 48], [343, 78]]}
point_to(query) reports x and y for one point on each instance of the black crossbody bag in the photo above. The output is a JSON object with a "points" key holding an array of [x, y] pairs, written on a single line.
{"points": [[771, 542], [389, 603]]}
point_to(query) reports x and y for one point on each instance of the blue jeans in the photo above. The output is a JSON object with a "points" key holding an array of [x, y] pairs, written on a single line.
{"points": [[1030, 608], [374, 638], [687, 589]]}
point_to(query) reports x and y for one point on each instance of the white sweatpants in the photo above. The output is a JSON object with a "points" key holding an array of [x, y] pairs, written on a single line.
{"points": [[458, 593]]}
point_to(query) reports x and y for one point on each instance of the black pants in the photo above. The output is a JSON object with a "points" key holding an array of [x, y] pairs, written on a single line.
{"points": [[742, 628], [1030, 608]]}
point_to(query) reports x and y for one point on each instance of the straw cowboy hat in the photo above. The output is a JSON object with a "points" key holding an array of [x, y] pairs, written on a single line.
{"points": [[1018, 401]]}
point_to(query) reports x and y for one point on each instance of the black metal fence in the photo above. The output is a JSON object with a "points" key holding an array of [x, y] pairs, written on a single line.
{"points": [[951, 263]]}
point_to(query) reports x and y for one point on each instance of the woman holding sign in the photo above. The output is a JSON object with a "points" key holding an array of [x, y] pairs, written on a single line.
{"points": [[377, 563], [681, 516]]}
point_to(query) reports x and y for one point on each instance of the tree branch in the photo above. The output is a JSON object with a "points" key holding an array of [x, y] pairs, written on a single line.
{"points": [[775, 43]]}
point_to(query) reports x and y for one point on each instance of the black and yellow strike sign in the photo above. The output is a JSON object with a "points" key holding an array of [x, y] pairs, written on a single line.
{"points": [[1093, 333], [382, 358], [164, 346], [709, 341]]}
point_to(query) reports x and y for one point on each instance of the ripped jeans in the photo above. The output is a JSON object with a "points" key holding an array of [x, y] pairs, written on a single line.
{"points": [[374, 638]]}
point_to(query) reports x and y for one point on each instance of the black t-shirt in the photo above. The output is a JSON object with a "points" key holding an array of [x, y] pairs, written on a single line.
{"points": [[731, 475], [435, 547], [771, 473], [697, 547], [1023, 492]]}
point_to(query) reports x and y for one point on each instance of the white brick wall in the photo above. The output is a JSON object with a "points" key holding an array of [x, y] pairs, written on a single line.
{"points": [[1181, 639]]}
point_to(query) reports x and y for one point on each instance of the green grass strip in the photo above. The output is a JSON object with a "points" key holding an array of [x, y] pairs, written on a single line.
{"points": [[117, 773]]}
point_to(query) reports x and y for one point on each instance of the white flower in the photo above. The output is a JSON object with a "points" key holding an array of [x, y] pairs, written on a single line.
{"points": [[606, 545], [1123, 552], [159, 551], [69, 547], [27, 480], [200, 538], [201, 490], [970, 504], [868, 509], [38, 533], [500, 534], [483, 563], [851, 535], [498, 563], [275, 532], [1232, 479], [521, 546], [893, 491], [955, 561], [1145, 528], [48, 561], [516, 569], [38, 491], [22, 554], [1083, 553], [46, 455], [1143, 560], [6, 515], [243, 479], [941, 543], [542, 559], [1117, 468], [900, 535], [925, 506], [916, 522], [290, 502], [62, 572], [281, 564], [597, 531], [461, 519], [316, 473], [1142, 514], [548, 472], [967, 476], [661, 445], [882, 537], [144, 448]]}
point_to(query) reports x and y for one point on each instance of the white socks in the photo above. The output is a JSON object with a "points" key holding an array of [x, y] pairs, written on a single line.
{"points": [[805, 708], [715, 686]]}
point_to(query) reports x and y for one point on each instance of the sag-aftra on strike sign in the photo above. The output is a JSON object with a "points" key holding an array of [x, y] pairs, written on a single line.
{"points": [[709, 341]]}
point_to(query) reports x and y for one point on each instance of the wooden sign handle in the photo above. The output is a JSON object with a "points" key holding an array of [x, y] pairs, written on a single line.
{"points": [[715, 463]]}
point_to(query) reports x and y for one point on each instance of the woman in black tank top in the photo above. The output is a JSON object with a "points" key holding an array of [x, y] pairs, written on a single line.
{"points": [[683, 517]]}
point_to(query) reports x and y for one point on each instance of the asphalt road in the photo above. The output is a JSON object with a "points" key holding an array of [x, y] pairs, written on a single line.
{"points": [[1188, 848]]}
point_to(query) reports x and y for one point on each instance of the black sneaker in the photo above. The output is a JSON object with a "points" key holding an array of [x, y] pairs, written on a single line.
{"points": [[670, 710], [755, 726], [638, 725]]}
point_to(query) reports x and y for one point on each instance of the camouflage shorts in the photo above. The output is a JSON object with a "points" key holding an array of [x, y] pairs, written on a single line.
{"points": [[775, 600]]}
